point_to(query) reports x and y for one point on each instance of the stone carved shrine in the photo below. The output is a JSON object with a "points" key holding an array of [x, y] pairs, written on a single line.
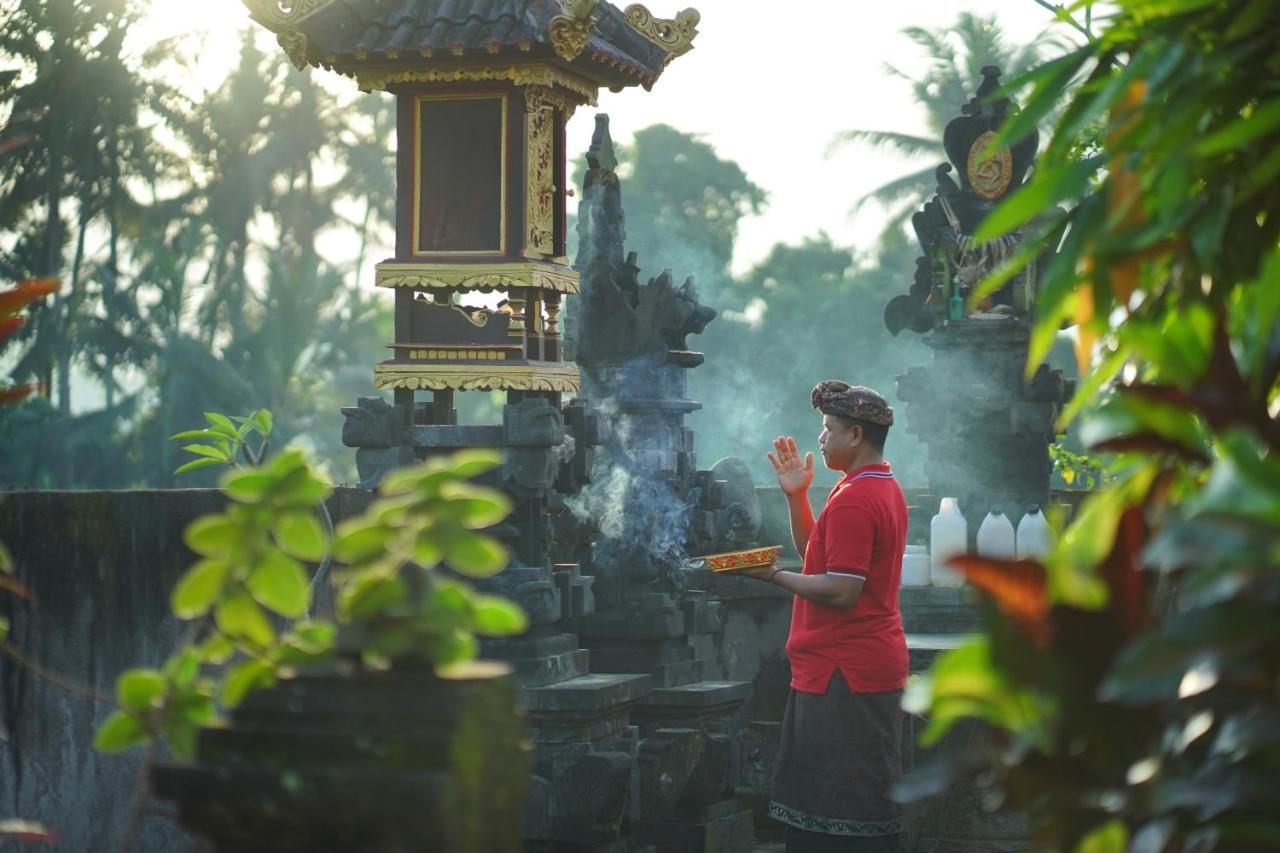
{"points": [[631, 747], [987, 429]]}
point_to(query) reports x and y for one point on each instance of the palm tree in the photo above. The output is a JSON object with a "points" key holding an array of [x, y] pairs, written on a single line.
{"points": [[957, 55]]}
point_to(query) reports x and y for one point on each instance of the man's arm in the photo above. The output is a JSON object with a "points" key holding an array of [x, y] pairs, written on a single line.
{"points": [[801, 520], [834, 590]]}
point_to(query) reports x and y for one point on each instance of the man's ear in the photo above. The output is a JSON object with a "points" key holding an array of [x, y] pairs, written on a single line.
{"points": [[855, 435]]}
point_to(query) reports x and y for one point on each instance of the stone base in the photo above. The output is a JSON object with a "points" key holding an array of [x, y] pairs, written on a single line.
{"points": [[726, 827]]}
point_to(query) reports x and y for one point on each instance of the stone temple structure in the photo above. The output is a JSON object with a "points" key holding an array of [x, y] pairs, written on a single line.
{"points": [[631, 746], [987, 429]]}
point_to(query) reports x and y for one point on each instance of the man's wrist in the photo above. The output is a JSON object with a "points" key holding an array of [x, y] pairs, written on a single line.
{"points": [[774, 574]]}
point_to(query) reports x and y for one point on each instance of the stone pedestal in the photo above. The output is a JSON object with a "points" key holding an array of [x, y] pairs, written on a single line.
{"points": [[393, 761]]}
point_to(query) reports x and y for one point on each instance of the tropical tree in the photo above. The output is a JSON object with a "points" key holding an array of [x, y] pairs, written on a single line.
{"points": [[1131, 677], [956, 56]]}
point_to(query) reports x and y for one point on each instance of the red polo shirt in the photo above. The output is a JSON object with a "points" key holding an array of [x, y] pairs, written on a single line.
{"points": [[862, 532]]}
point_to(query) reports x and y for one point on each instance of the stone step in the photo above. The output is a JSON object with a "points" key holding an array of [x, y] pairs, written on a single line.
{"points": [[587, 693]]}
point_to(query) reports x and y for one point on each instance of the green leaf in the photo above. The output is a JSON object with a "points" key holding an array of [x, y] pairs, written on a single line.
{"points": [[183, 668], [498, 617], [252, 674], [221, 424], [217, 649], [473, 463], [211, 536], [1111, 837], [371, 595], [478, 507], [206, 450], [197, 435], [426, 551], [1050, 185], [300, 534], [140, 689], [279, 582], [239, 617], [248, 487], [119, 732], [457, 646], [263, 421], [6, 560], [1260, 122], [196, 465], [4, 627], [358, 540], [475, 556], [195, 593]]}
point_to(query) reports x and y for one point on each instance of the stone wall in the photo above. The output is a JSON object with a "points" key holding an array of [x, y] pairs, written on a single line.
{"points": [[100, 566]]}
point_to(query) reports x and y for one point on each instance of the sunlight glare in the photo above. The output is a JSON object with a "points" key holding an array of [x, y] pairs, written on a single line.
{"points": [[214, 27]]}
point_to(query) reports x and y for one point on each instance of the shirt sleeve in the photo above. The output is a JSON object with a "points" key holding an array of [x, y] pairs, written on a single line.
{"points": [[849, 541]]}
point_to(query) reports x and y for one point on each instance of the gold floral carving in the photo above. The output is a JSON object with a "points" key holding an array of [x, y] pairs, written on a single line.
{"points": [[570, 32], [482, 277], [990, 173], [674, 36], [477, 377], [542, 97], [294, 45], [540, 188], [525, 74]]}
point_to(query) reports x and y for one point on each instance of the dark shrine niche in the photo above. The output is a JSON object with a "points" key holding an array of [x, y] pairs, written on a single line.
{"points": [[460, 174]]}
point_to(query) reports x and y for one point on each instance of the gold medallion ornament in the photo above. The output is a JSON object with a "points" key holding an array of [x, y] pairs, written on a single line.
{"points": [[990, 173]]}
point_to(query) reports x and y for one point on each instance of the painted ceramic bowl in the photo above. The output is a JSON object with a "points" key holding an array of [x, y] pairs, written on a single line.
{"points": [[736, 560]]}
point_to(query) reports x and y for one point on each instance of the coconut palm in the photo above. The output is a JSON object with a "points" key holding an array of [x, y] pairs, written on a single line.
{"points": [[957, 55]]}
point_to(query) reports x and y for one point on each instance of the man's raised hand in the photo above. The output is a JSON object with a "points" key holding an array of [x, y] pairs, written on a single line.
{"points": [[794, 475]]}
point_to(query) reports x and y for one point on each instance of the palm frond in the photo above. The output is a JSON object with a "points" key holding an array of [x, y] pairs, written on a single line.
{"points": [[900, 143]]}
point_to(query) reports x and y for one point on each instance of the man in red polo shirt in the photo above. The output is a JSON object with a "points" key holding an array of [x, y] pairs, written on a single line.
{"points": [[841, 733]]}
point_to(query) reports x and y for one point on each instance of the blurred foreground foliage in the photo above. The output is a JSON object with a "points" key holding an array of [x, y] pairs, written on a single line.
{"points": [[1132, 679]]}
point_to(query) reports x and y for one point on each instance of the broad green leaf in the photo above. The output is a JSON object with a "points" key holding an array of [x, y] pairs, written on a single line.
{"points": [[180, 737], [119, 732], [140, 689], [479, 507], [358, 540], [183, 668], [312, 638], [279, 582], [300, 534], [4, 628], [371, 595], [476, 556], [196, 465], [248, 486], [427, 552], [221, 424], [239, 617], [195, 593], [217, 649], [6, 560], [248, 675], [209, 451], [211, 536], [1050, 185], [472, 463], [454, 647], [499, 617]]}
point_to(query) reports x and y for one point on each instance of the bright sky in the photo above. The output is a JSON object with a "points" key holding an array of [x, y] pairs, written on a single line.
{"points": [[767, 89]]}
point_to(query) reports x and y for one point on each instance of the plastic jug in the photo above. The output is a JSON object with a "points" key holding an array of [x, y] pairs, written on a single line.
{"points": [[948, 537], [996, 537], [915, 566], [1035, 536]]}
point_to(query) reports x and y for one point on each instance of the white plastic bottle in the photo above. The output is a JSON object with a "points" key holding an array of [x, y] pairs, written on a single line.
{"points": [[948, 537], [915, 566], [996, 537], [1035, 536]]}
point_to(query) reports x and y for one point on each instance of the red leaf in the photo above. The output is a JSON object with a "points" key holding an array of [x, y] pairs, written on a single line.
{"points": [[12, 301], [1016, 586], [9, 325], [14, 394], [1123, 573]]}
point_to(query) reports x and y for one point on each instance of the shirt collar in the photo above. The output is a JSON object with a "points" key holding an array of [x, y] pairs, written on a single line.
{"points": [[878, 469]]}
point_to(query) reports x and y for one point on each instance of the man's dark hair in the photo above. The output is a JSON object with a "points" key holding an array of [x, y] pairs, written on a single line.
{"points": [[875, 434]]}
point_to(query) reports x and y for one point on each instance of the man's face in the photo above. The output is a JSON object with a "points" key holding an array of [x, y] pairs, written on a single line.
{"points": [[838, 442]]}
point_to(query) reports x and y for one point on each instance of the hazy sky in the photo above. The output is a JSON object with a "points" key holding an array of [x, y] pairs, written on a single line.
{"points": [[768, 84]]}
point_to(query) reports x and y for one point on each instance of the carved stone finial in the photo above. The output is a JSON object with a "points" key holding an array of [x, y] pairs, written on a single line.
{"points": [[570, 32], [674, 36], [276, 15], [600, 155]]}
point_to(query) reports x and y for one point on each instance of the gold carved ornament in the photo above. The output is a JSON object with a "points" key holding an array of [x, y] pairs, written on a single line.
{"points": [[989, 172], [475, 277], [525, 74], [674, 36], [477, 377], [540, 189], [570, 32]]}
